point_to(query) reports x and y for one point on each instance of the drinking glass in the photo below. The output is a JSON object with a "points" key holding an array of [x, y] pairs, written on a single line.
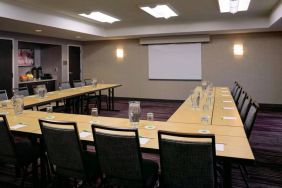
{"points": [[94, 82], [134, 112], [49, 109], [94, 114], [18, 104], [4, 105], [205, 119], [150, 116]]}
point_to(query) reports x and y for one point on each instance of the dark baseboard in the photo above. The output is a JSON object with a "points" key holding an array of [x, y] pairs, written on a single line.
{"points": [[272, 107], [148, 99]]}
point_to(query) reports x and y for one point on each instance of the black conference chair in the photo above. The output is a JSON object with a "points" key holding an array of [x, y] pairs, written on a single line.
{"points": [[23, 91], [237, 94], [250, 118], [241, 100], [3, 95], [187, 163], [65, 85], [78, 83], [234, 88], [21, 154], [65, 153], [248, 126], [245, 108], [120, 158]]}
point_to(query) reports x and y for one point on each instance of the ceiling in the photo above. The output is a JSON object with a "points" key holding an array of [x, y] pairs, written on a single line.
{"points": [[60, 18]]}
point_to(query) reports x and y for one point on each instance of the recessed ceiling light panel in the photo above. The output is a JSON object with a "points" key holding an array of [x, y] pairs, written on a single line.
{"points": [[100, 17], [160, 11], [233, 6]]}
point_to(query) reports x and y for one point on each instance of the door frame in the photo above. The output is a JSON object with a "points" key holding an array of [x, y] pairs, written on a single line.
{"points": [[81, 54], [14, 63]]}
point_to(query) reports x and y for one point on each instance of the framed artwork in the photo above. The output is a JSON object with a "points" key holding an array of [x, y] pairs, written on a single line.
{"points": [[25, 57]]}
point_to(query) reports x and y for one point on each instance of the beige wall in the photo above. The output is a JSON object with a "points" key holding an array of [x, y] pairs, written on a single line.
{"points": [[259, 70]]}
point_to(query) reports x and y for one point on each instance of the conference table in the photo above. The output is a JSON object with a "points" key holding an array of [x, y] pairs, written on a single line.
{"points": [[224, 122], [33, 100]]}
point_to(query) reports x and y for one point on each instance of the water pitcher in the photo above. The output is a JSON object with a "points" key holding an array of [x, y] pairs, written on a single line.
{"points": [[134, 112], [18, 104]]}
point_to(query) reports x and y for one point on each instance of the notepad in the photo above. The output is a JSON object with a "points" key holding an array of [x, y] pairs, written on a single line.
{"points": [[17, 126], [225, 95], [4, 113], [227, 101], [224, 91], [229, 118], [143, 140], [84, 134], [219, 147], [228, 108]]}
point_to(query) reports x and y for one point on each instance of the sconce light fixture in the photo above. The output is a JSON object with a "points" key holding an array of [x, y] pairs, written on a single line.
{"points": [[119, 53], [238, 49]]}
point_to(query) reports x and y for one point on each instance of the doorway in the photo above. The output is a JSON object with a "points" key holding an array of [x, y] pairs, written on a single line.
{"points": [[74, 63], [6, 66]]}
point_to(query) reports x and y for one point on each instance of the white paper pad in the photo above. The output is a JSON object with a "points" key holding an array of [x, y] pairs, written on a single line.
{"points": [[219, 147], [227, 101], [228, 108], [143, 140], [229, 118], [204, 131], [17, 126], [4, 113], [224, 91], [84, 134]]}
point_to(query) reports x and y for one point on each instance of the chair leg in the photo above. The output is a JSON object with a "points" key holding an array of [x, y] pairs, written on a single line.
{"points": [[243, 176], [24, 176]]}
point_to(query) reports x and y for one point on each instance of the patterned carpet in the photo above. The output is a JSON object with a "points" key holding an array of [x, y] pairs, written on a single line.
{"points": [[266, 142]]}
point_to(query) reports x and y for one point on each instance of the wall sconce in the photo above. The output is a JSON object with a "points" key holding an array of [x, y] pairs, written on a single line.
{"points": [[119, 53], [238, 49]]}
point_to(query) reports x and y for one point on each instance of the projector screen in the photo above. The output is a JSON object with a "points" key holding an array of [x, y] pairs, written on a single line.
{"points": [[175, 61]]}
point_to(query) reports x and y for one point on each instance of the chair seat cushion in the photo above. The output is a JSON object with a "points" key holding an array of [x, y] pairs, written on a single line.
{"points": [[27, 152], [150, 169]]}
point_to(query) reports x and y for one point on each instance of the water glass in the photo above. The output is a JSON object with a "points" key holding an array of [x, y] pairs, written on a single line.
{"points": [[205, 119], [94, 82], [94, 114], [150, 116], [4, 105], [18, 104], [49, 109]]}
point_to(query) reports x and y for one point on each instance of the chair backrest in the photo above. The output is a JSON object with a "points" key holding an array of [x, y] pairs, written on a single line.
{"points": [[234, 88], [241, 100], [3, 95], [7, 149], [188, 161], [237, 94], [245, 108], [35, 88], [65, 85], [63, 147], [119, 154], [88, 82], [78, 83], [250, 119], [23, 91]]}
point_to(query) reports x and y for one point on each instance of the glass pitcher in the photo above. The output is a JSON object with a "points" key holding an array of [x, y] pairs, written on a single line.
{"points": [[94, 82], [134, 113], [41, 91], [18, 104]]}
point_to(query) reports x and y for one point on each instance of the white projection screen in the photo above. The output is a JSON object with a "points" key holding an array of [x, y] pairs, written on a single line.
{"points": [[175, 61]]}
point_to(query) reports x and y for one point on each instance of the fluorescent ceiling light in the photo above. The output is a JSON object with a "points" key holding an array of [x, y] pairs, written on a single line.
{"points": [[101, 17], [160, 11], [233, 6]]}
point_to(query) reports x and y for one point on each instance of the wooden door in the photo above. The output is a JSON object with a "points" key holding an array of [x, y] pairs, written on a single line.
{"points": [[74, 63], [6, 66]]}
